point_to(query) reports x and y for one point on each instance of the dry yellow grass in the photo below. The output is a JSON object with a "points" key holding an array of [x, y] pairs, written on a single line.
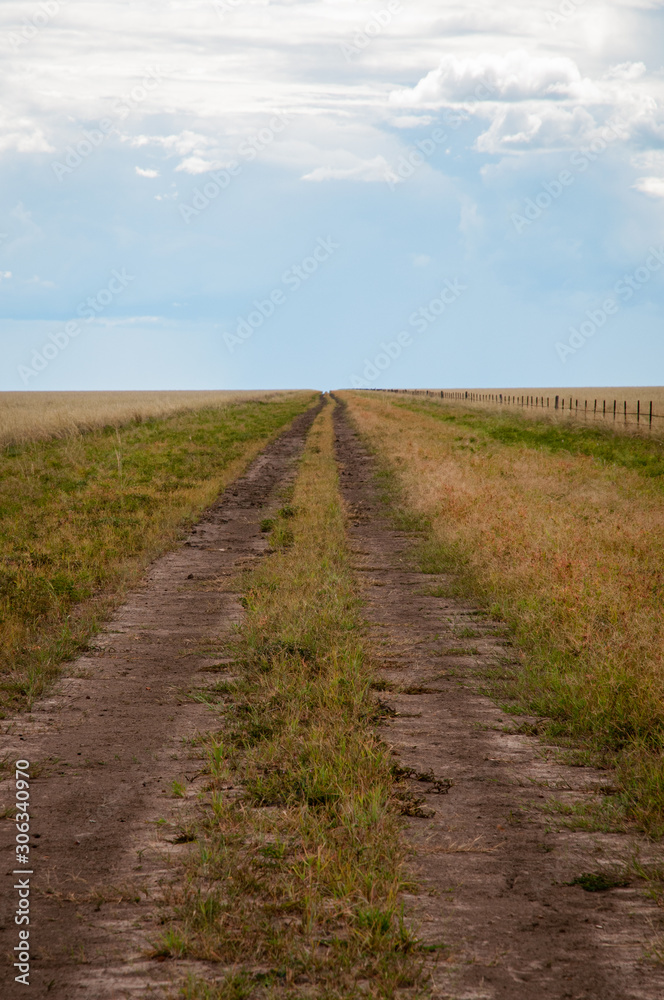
{"points": [[585, 405], [26, 416], [569, 550]]}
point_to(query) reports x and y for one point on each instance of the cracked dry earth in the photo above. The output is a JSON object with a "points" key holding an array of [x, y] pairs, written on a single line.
{"points": [[494, 867], [111, 740]]}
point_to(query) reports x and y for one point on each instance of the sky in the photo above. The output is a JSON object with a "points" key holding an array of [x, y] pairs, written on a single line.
{"points": [[242, 194]]}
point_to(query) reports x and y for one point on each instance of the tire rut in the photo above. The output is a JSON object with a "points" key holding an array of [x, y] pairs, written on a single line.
{"points": [[110, 740], [494, 867]]}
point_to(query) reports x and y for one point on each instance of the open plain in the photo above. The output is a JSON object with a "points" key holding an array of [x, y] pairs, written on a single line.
{"points": [[371, 726]]}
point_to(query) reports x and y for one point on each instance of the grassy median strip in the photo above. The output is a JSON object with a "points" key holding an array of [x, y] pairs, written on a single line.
{"points": [[295, 886], [560, 533], [81, 516]]}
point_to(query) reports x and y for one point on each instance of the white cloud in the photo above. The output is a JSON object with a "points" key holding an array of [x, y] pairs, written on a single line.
{"points": [[627, 71], [42, 282], [180, 143], [21, 135], [516, 76], [410, 121], [113, 321], [376, 169], [147, 172], [5, 274], [653, 186], [533, 126], [199, 165], [534, 87], [420, 259]]}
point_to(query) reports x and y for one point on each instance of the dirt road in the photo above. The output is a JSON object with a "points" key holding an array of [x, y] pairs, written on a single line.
{"points": [[118, 772]]}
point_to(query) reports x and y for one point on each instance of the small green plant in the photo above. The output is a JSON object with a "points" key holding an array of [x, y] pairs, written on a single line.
{"points": [[171, 945], [599, 881]]}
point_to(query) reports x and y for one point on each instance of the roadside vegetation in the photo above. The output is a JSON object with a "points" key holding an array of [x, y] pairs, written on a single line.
{"points": [[293, 887], [558, 531], [82, 515]]}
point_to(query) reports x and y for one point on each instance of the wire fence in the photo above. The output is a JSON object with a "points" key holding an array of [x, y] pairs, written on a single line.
{"points": [[618, 411]]}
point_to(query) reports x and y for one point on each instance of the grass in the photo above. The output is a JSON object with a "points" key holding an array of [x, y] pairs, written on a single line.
{"points": [[589, 406], [559, 532], [643, 454], [295, 886], [81, 516], [31, 416]]}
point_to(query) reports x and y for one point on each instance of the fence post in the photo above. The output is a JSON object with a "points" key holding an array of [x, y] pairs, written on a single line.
{"points": [[638, 411], [651, 414], [625, 409], [595, 410], [557, 401], [614, 409]]}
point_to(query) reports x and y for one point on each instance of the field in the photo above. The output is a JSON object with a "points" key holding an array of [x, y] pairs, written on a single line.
{"points": [[334, 697], [595, 405], [82, 514], [27, 416]]}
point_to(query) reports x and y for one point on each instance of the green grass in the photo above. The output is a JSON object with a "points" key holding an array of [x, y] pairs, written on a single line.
{"points": [[296, 884], [641, 454], [80, 517]]}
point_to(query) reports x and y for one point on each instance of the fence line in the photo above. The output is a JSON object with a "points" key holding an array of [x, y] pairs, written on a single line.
{"points": [[558, 404]]}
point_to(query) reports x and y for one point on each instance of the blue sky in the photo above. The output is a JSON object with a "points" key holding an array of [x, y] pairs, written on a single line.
{"points": [[249, 194]]}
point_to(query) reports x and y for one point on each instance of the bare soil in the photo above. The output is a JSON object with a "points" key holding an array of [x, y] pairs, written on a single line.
{"points": [[495, 867], [109, 742]]}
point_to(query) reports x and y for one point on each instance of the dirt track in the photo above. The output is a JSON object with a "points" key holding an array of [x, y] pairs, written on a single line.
{"points": [[110, 742], [493, 865]]}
